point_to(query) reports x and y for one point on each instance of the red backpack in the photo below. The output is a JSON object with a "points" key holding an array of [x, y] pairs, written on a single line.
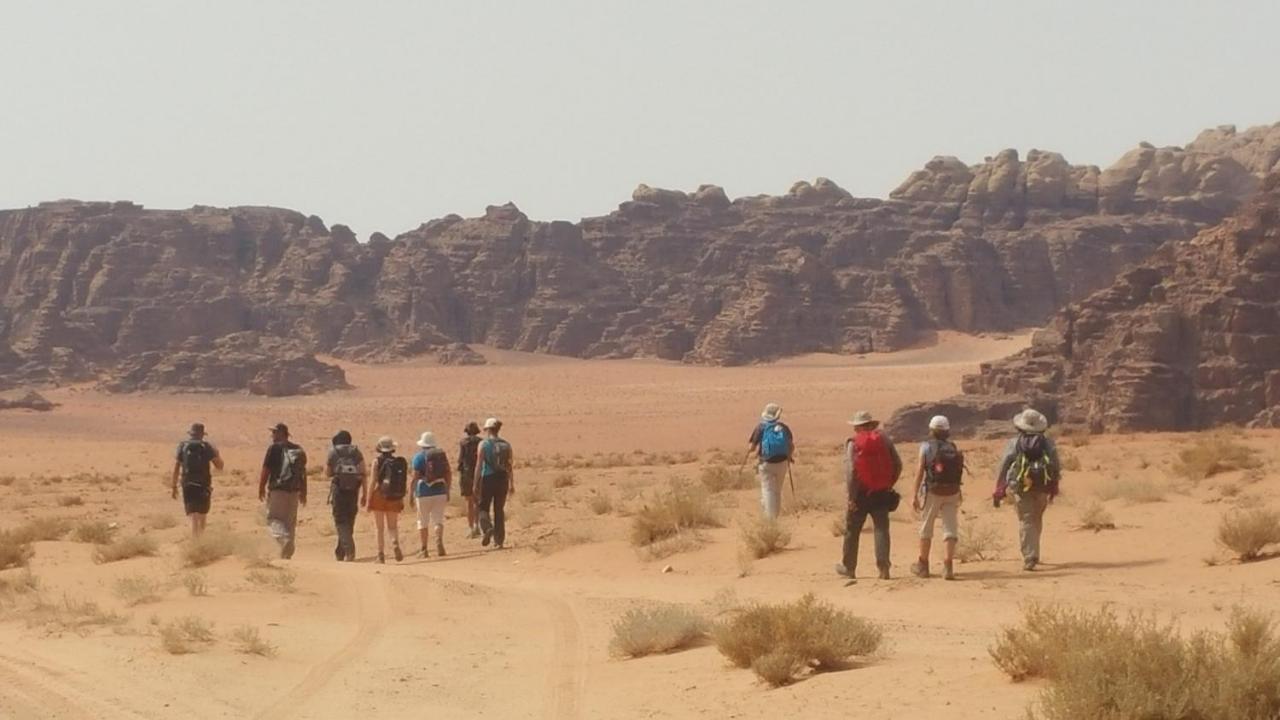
{"points": [[872, 461]]}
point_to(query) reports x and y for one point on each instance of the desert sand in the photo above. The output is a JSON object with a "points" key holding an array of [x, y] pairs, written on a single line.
{"points": [[524, 633]]}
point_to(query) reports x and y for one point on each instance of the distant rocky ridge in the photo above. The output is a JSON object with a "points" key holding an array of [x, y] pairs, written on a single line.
{"points": [[1186, 340], [243, 298]]}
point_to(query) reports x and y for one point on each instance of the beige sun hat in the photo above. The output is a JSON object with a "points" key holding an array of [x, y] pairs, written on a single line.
{"points": [[939, 422], [1031, 421], [771, 412], [862, 417], [492, 423], [428, 440], [386, 444]]}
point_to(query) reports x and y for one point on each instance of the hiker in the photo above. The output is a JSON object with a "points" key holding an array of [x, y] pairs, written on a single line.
{"points": [[495, 479], [871, 469], [937, 494], [466, 475], [432, 483], [386, 500], [774, 447], [348, 491], [191, 465], [1030, 472], [283, 486]]}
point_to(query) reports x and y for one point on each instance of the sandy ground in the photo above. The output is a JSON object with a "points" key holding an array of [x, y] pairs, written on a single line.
{"points": [[524, 633]]}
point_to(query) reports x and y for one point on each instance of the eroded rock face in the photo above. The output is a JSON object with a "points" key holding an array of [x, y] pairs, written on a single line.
{"points": [[209, 297], [1186, 340], [25, 400]]}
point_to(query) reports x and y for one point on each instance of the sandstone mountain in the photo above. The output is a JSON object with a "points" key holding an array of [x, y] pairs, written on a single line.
{"points": [[1186, 340], [243, 298]]}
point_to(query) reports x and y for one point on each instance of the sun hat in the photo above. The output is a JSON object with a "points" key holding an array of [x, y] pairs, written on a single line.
{"points": [[862, 417], [428, 440], [939, 422], [492, 423], [197, 430], [771, 412], [386, 444], [1031, 421], [280, 428]]}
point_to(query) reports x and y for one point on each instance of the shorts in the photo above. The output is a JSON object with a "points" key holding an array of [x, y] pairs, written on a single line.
{"points": [[466, 484], [378, 503], [196, 499], [431, 510], [948, 508]]}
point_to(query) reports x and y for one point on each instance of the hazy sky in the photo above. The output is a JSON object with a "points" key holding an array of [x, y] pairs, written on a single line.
{"points": [[384, 114]]}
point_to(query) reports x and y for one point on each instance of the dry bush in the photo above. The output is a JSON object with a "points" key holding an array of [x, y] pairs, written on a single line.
{"points": [[159, 521], [763, 537], [249, 641], [42, 529], [531, 493], [779, 667], [979, 540], [818, 634], [14, 552], [22, 583], [277, 579], [79, 616], [1212, 454], [186, 635], [839, 525], [1095, 517], [654, 629], [70, 501], [137, 589], [720, 478], [195, 583], [564, 480], [1247, 533], [681, 542], [98, 532], [125, 548], [1103, 667], [210, 547], [681, 507], [600, 503], [1069, 461], [1132, 490]]}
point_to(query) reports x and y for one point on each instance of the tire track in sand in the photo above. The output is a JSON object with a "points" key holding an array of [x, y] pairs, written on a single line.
{"points": [[53, 695], [567, 674], [374, 610]]}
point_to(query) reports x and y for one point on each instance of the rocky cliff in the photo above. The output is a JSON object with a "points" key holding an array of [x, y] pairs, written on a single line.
{"points": [[211, 298], [1188, 339]]}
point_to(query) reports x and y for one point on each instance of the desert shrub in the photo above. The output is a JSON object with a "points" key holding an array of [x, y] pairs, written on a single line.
{"points": [[657, 628], [186, 635], [819, 635], [681, 542], [680, 507], [1132, 490], [277, 579], [1069, 461], [531, 493], [42, 529], [815, 496], [719, 478], [564, 480], [763, 537], [97, 532], [70, 501], [1036, 647], [600, 503], [1212, 454], [1095, 517], [210, 547], [159, 521], [979, 540], [76, 615], [21, 583], [14, 551], [195, 583], [1248, 532], [248, 641], [779, 667], [125, 548], [137, 589]]}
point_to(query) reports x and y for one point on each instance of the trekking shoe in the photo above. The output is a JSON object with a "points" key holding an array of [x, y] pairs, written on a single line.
{"points": [[488, 537], [423, 553], [399, 555], [1029, 565], [884, 573], [497, 546], [920, 569], [948, 571], [440, 548], [843, 571], [382, 558]]}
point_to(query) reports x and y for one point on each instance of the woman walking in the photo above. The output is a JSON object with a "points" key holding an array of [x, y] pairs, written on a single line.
{"points": [[386, 501], [432, 482], [348, 492]]}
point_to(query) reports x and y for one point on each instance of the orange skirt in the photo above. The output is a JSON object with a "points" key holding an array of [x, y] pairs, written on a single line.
{"points": [[377, 503]]}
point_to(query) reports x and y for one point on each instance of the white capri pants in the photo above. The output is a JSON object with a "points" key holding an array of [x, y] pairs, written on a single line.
{"points": [[431, 510]]}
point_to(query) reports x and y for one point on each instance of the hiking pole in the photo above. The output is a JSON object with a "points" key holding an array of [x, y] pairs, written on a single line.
{"points": [[792, 478]]}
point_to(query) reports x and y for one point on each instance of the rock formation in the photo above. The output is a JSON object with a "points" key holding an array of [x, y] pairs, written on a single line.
{"points": [[1186, 340], [25, 400], [242, 298]]}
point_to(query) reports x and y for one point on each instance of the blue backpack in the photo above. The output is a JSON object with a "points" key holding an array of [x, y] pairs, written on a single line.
{"points": [[773, 441]]}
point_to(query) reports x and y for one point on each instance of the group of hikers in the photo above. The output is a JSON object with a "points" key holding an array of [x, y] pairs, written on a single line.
{"points": [[1029, 471], [486, 477]]}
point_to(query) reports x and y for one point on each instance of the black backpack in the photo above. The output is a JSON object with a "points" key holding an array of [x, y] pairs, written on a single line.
{"points": [[195, 458], [1032, 464], [393, 477], [947, 467], [467, 458], [437, 465]]}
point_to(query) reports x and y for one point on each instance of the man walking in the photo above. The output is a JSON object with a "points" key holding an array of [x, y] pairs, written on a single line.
{"points": [[1030, 471], [348, 491], [871, 468], [774, 447], [283, 486], [467, 449], [195, 455], [937, 494], [496, 480]]}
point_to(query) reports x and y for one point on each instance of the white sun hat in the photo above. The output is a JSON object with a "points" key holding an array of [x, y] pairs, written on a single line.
{"points": [[492, 423], [428, 440], [939, 422]]}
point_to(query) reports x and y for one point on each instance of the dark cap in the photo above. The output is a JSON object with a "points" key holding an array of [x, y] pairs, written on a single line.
{"points": [[197, 429], [280, 428]]}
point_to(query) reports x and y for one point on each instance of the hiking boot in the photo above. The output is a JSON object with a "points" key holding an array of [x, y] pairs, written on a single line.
{"points": [[488, 537], [884, 573], [382, 558], [423, 553], [440, 548], [399, 555], [844, 571], [948, 571], [1029, 565], [920, 569]]}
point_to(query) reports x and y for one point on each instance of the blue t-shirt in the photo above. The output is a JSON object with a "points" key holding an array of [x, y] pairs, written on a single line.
{"points": [[421, 488]]}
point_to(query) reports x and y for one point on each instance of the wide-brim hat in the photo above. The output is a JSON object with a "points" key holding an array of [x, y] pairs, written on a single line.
{"points": [[939, 422], [492, 423], [196, 430], [771, 412], [428, 440], [1031, 421], [386, 444], [861, 418], [280, 428]]}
